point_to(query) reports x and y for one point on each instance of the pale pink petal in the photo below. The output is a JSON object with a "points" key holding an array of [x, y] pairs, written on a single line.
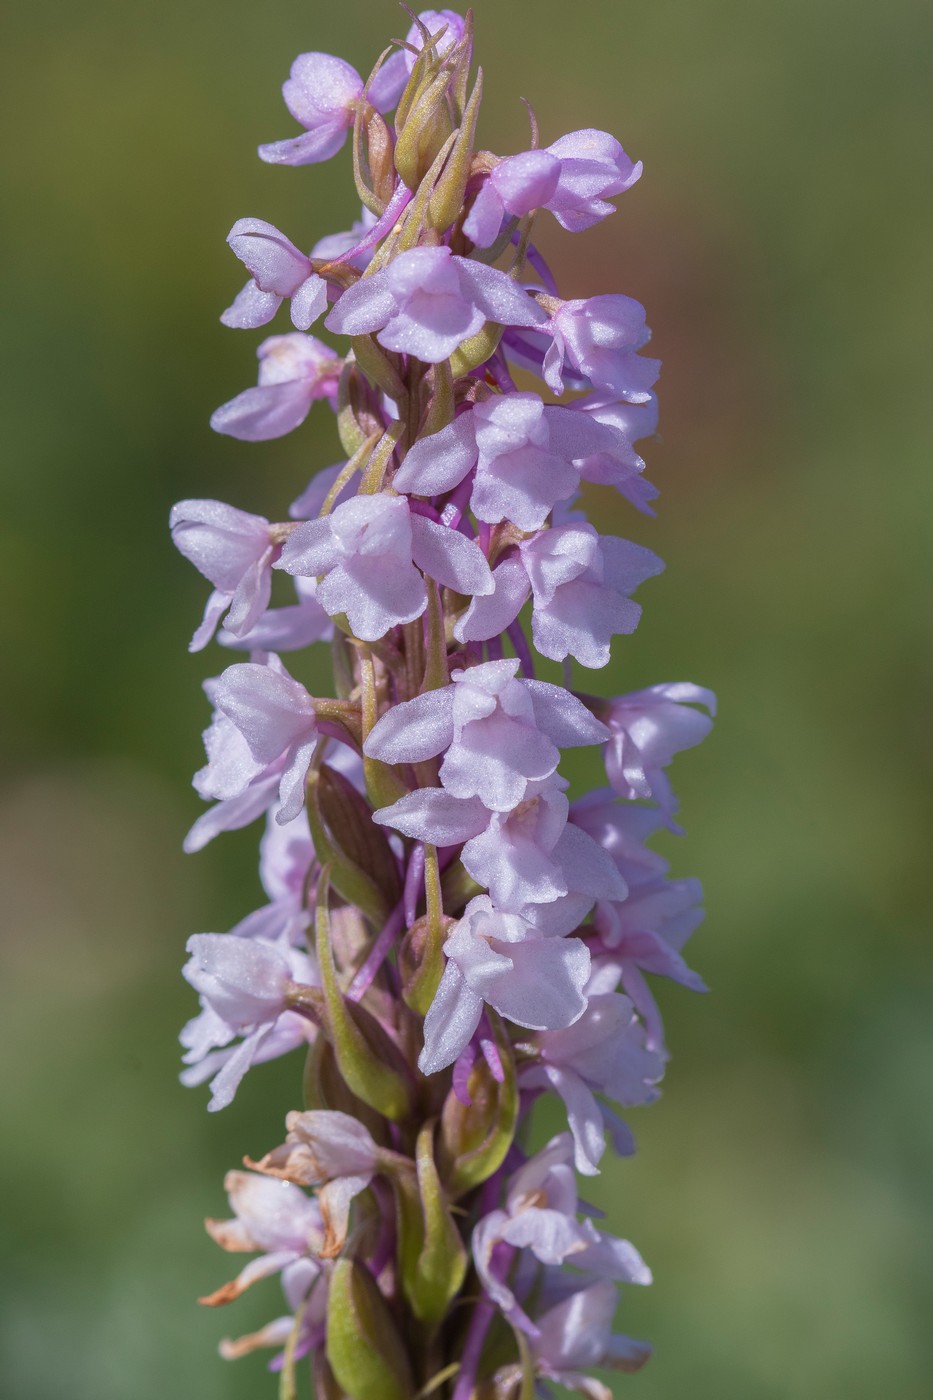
{"points": [[439, 462], [452, 1018], [251, 308], [225, 1084], [563, 717], [292, 784], [583, 1117], [217, 604], [309, 302], [274, 261], [310, 549], [362, 308], [484, 220], [415, 730], [435, 816], [491, 614], [266, 411], [308, 148], [270, 709], [449, 557], [544, 986], [320, 86], [497, 296]]}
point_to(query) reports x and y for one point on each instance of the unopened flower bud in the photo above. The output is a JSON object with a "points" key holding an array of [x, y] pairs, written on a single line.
{"points": [[364, 1349], [476, 1135]]}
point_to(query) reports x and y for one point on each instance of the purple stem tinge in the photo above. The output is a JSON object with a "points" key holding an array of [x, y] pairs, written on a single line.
{"points": [[483, 1314], [377, 953], [414, 876]]}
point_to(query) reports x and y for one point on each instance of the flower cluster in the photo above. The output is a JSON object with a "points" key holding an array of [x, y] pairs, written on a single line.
{"points": [[448, 935]]}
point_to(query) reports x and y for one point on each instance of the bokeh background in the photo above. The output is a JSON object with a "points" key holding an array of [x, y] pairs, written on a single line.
{"points": [[780, 239]]}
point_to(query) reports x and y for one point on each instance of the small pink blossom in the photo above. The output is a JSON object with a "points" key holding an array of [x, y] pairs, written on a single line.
{"points": [[323, 94], [525, 455], [593, 167], [581, 582], [427, 301], [576, 1334], [234, 551], [648, 728], [332, 1151], [294, 371], [499, 732], [599, 339], [276, 718], [572, 178], [540, 1215], [604, 1051], [500, 960], [243, 984], [645, 932], [283, 1225], [623, 467], [278, 270], [367, 554]]}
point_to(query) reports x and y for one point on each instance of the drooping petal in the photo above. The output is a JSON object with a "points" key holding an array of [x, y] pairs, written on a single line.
{"points": [[251, 308], [264, 412], [232, 813], [228, 1079], [497, 296], [583, 1117], [439, 462], [492, 613], [484, 220], [308, 148], [309, 302], [451, 1020], [449, 557], [294, 777]]}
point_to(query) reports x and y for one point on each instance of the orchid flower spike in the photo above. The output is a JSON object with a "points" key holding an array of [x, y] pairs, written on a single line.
{"points": [[446, 933]]}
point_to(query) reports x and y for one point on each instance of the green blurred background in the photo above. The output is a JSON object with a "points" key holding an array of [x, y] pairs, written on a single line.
{"points": [[780, 239]]}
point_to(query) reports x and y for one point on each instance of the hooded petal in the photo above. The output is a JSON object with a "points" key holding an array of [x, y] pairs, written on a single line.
{"points": [[274, 261]]}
